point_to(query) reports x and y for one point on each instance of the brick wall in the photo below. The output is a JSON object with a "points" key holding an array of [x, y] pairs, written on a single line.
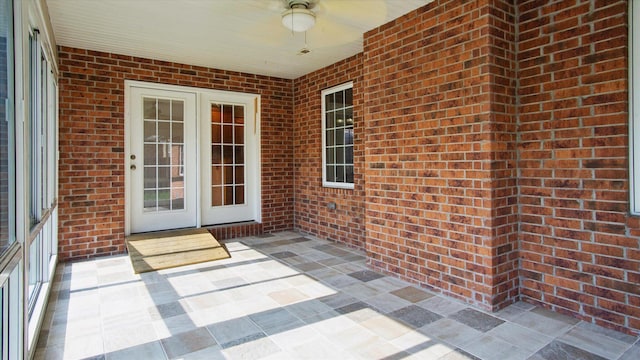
{"points": [[91, 192], [440, 160], [346, 222], [580, 249]]}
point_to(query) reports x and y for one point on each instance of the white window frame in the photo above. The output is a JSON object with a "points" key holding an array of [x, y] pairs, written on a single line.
{"points": [[634, 107], [325, 183]]}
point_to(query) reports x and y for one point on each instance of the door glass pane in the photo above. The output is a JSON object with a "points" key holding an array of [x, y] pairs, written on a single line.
{"points": [[228, 195], [177, 110], [163, 154], [216, 196], [239, 194], [227, 149]]}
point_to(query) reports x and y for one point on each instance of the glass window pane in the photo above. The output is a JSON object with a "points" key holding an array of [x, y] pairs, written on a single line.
{"points": [[238, 112], [348, 97], [7, 159], [330, 156], [348, 136], [340, 155], [348, 155], [239, 155], [239, 135], [348, 115], [228, 174], [227, 154], [177, 110], [150, 180], [228, 195], [216, 196], [216, 175], [339, 136], [164, 131], [239, 174], [149, 154], [177, 198], [239, 195], [329, 105], [164, 154], [149, 131], [339, 173], [331, 177], [164, 199], [149, 108], [164, 176], [339, 99], [329, 121], [216, 154], [164, 109], [150, 201], [330, 138], [216, 135], [177, 132], [215, 113], [227, 134], [227, 114]]}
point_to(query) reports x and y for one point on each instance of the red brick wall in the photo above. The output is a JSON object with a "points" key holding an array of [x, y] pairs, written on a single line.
{"points": [[579, 247], [91, 192], [440, 156], [346, 223]]}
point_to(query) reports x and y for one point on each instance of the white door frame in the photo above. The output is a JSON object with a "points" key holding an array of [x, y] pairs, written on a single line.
{"points": [[128, 84]]}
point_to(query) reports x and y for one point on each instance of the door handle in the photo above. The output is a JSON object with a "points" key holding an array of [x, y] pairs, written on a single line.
{"points": [[133, 167]]}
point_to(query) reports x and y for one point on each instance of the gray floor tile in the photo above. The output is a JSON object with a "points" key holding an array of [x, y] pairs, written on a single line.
{"points": [[633, 353], [276, 320], [187, 342], [308, 308], [152, 350], [491, 348], [167, 310], [543, 324], [441, 305], [520, 336], [412, 294], [338, 300], [415, 316], [451, 332], [594, 341], [256, 349], [558, 350], [476, 319], [386, 302], [365, 275], [236, 331]]}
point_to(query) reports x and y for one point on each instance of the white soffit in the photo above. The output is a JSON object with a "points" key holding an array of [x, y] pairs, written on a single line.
{"points": [[237, 35]]}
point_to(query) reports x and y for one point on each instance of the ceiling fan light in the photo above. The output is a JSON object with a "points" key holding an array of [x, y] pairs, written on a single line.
{"points": [[298, 20]]}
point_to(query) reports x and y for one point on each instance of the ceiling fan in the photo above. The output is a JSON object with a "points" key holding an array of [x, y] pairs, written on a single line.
{"points": [[299, 15], [323, 23]]}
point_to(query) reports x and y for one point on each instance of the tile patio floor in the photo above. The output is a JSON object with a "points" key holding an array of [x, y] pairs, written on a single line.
{"points": [[291, 296]]}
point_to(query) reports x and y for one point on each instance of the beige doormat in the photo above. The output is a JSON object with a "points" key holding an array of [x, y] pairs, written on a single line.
{"points": [[167, 249]]}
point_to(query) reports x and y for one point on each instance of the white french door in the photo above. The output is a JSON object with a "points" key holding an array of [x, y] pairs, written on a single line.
{"points": [[192, 157], [229, 158], [162, 160]]}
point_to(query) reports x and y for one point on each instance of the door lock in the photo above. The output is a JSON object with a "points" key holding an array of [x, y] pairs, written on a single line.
{"points": [[133, 167]]}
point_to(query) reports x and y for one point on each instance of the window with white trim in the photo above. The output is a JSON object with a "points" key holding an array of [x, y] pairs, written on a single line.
{"points": [[634, 106], [337, 136]]}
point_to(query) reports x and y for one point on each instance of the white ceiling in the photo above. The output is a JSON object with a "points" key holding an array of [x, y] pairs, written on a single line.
{"points": [[238, 35]]}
